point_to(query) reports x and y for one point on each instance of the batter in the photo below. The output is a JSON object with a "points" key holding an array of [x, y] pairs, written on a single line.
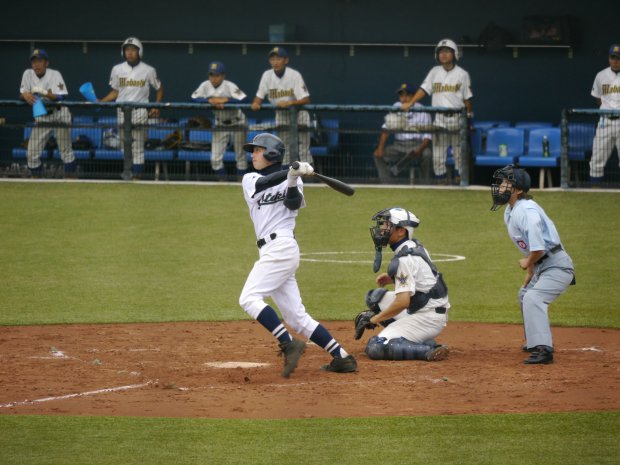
{"points": [[549, 269], [274, 197]]}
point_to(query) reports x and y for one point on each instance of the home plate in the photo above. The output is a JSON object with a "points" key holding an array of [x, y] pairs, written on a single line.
{"points": [[236, 364]]}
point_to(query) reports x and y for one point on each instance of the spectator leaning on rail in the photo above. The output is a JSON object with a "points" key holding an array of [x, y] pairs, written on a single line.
{"points": [[131, 82], [450, 87], [606, 91], [408, 147], [42, 82]]}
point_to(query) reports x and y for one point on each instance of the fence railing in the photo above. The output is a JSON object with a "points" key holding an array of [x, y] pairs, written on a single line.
{"points": [[187, 139]]}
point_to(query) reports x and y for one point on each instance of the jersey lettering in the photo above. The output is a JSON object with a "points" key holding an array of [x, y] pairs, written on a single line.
{"points": [[124, 82], [280, 93], [609, 89], [270, 198], [438, 87]]}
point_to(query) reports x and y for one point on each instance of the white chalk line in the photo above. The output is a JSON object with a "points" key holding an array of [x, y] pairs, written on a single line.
{"points": [[304, 257], [78, 394]]}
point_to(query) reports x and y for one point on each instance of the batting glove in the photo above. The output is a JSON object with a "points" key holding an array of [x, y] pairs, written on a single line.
{"points": [[305, 169]]}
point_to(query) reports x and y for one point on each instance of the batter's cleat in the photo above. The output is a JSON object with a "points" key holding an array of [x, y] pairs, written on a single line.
{"points": [[437, 353], [341, 365], [542, 355], [292, 351]]}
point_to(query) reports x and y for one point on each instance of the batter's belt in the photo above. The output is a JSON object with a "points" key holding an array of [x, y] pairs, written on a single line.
{"points": [[265, 240], [553, 250]]}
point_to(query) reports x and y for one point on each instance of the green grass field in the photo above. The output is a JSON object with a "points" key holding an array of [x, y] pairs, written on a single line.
{"points": [[90, 253]]}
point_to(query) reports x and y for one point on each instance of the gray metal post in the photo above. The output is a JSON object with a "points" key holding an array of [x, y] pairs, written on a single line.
{"points": [[464, 143], [293, 133], [564, 150], [127, 144]]}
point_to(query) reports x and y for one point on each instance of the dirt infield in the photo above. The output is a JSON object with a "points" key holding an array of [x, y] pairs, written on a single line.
{"points": [[193, 370]]}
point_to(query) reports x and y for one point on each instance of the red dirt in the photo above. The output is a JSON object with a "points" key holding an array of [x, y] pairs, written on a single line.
{"points": [[484, 373]]}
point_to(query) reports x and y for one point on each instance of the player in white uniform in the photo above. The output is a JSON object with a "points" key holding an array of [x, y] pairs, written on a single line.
{"points": [[48, 85], [285, 87], [450, 87], [416, 311], [230, 124], [414, 145], [131, 82], [606, 91], [274, 197]]}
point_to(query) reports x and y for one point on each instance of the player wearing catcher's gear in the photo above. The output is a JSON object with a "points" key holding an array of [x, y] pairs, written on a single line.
{"points": [[549, 269], [42, 82], [230, 124], [606, 91], [131, 82], [415, 312], [285, 87], [274, 196], [450, 87]]}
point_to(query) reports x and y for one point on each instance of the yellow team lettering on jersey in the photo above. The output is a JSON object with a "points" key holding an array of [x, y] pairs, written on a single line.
{"points": [[438, 87], [609, 89], [279, 93], [124, 82]]}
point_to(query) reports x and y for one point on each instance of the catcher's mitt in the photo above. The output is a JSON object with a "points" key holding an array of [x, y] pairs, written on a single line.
{"points": [[362, 322]]}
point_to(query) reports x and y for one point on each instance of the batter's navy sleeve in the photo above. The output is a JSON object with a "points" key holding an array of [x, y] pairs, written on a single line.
{"points": [[293, 198], [270, 180]]}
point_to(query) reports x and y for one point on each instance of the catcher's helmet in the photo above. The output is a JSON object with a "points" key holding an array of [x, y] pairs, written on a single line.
{"points": [[451, 45], [517, 179], [385, 220], [274, 147], [132, 41]]}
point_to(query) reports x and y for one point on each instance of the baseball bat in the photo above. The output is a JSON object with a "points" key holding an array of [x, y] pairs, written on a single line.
{"points": [[335, 184]]}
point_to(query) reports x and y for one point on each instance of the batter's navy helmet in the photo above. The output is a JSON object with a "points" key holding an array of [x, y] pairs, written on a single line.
{"points": [[518, 178], [274, 147]]}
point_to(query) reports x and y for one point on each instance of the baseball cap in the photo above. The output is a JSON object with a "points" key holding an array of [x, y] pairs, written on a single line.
{"points": [[217, 67], [405, 87], [280, 51], [614, 50], [39, 53]]}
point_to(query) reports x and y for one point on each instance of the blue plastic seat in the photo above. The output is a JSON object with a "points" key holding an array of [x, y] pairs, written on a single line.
{"points": [[513, 138], [535, 158], [331, 127], [109, 154], [194, 155], [200, 135], [486, 125], [580, 138], [83, 119]]}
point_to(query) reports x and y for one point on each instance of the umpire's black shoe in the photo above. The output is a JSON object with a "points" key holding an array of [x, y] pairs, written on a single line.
{"points": [[524, 348], [292, 351], [341, 365], [542, 355]]}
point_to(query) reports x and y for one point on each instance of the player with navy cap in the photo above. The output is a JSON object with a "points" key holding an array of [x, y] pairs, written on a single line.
{"points": [[230, 124], [42, 82], [606, 91], [284, 87]]}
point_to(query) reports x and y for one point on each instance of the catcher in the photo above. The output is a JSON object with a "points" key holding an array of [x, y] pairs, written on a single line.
{"points": [[416, 311]]}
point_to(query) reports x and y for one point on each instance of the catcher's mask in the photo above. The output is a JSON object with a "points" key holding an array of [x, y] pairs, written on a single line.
{"points": [[385, 221], [274, 147], [505, 181]]}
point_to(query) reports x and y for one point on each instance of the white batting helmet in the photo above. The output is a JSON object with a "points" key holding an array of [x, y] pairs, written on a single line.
{"points": [[451, 45], [132, 41]]}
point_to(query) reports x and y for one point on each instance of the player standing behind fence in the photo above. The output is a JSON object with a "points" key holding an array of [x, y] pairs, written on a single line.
{"points": [[230, 124], [284, 87], [47, 84], [131, 82], [450, 87], [274, 197], [606, 91]]}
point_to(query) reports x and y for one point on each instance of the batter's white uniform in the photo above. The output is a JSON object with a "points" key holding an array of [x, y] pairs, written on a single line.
{"points": [[232, 118], [606, 88], [290, 86], [414, 275], [273, 275], [133, 84], [449, 89], [51, 80]]}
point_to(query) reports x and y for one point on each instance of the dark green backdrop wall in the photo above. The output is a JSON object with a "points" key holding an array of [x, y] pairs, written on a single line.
{"points": [[534, 86]]}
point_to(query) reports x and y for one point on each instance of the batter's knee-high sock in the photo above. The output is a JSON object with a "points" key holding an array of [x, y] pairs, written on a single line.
{"points": [[269, 319], [321, 337]]}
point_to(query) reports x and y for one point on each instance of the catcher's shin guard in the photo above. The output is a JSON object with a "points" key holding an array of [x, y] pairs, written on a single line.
{"points": [[403, 349]]}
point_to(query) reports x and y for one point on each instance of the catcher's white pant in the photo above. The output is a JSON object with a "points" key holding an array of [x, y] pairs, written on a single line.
{"points": [[220, 142], [273, 275], [139, 116], [443, 140], [423, 325], [606, 138], [40, 135], [283, 117]]}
